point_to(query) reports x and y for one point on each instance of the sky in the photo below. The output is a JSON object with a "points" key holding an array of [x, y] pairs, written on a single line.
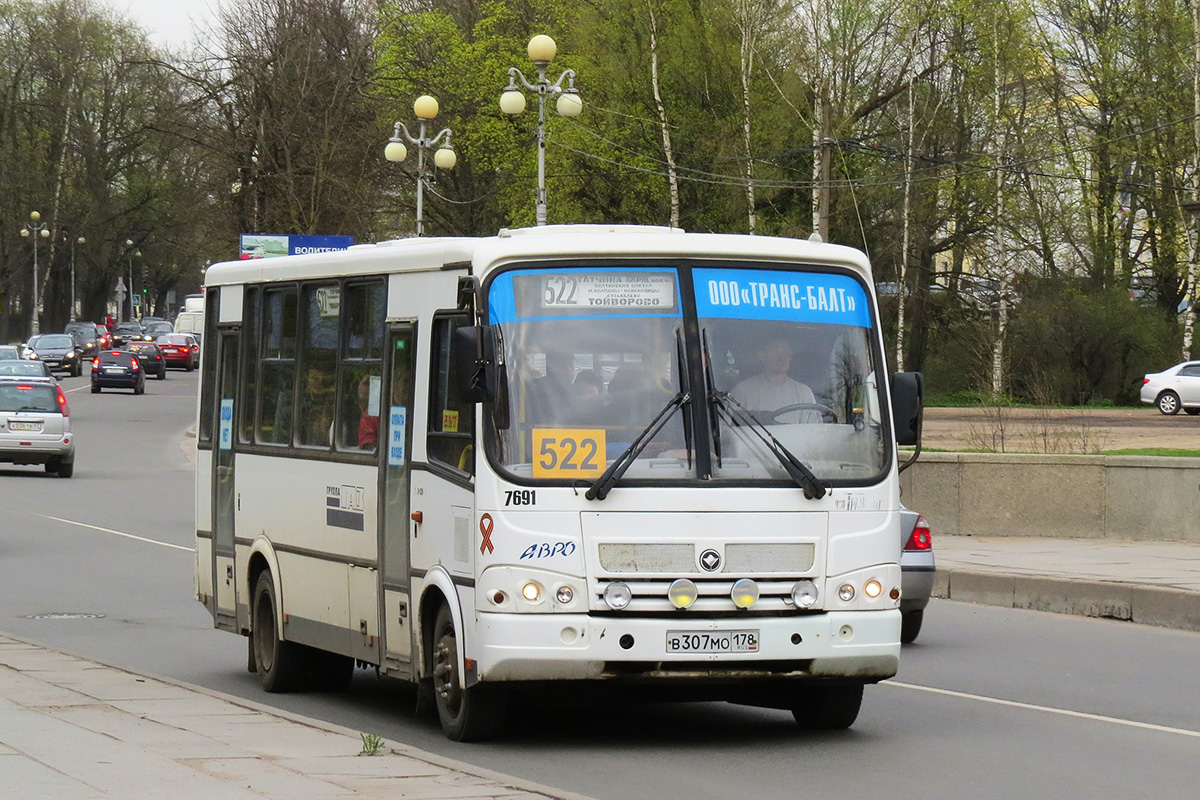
{"points": [[169, 22]]}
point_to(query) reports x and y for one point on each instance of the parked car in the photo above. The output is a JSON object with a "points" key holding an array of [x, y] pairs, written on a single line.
{"points": [[25, 369], [118, 369], [150, 357], [35, 425], [1174, 388], [180, 350], [57, 350], [916, 573], [86, 340]]}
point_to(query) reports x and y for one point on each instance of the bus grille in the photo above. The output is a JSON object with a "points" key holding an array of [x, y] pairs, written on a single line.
{"points": [[741, 558]]}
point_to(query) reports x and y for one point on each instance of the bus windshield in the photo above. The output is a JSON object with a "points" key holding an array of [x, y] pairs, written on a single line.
{"points": [[592, 357], [792, 351]]}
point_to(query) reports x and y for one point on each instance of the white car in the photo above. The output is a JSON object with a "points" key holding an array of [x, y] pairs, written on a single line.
{"points": [[35, 424], [1174, 388], [916, 573]]}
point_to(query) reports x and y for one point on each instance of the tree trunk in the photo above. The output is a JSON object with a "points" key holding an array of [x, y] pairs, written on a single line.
{"points": [[672, 178]]}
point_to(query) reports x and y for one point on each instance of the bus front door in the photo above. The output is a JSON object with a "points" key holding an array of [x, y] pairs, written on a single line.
{"points": [[224, 498], [394, 512]]}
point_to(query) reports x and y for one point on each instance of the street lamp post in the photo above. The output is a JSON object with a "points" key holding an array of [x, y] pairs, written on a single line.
{"points": [[75, 241], [132, 253], [426, 108], [35, 230], [541, 52]]}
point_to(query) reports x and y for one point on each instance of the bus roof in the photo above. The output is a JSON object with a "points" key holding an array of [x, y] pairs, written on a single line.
{"points": [[547, 242]]}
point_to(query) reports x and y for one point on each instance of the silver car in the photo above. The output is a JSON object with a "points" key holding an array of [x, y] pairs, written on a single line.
{"points": [[35, 425], [916, 573], [1174, 388]]}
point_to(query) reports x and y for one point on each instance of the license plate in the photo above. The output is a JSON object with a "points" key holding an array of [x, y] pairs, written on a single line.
{"points": [[113, 370], [712, 641], [24, 425]]}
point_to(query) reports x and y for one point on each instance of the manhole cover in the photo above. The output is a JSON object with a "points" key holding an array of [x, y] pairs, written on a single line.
{"points": [[64, 615]]}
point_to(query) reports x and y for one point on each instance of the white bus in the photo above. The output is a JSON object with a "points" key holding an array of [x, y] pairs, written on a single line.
{"points": [[608, 455]]}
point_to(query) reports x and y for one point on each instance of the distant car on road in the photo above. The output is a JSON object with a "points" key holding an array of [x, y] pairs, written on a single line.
{"points": [[35, 425], [917, 567], [150, 357], [9, 351], [180, 350], [57, 350], [87, 342], [118, 369], [25, 369], [1174, 389]]}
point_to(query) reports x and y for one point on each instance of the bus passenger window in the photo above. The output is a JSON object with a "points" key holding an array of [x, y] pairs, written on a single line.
{"points": [[451, 437]]}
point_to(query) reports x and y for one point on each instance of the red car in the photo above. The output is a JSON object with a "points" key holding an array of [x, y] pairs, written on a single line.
{"points": [[180, 350]]}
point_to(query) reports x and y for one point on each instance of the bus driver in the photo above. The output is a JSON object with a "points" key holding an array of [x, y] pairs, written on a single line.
{"points": [[773, 388]]}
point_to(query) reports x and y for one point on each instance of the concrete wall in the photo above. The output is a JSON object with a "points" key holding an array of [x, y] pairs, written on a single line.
{"points": [[1062, 496]]}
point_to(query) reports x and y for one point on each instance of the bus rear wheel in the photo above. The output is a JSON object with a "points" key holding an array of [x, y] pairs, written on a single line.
{"points": [[467, 715], [281, 665], [827, 707]]}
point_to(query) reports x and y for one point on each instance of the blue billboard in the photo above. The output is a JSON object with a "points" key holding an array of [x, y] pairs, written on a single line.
{"points": [[272, 245]]}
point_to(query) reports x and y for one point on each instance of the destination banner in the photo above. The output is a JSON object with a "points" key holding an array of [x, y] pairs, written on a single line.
{"points": [[781, 295]]}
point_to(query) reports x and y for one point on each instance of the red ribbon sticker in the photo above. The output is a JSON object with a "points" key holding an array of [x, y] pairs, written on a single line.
{"points": [[485, 527]]}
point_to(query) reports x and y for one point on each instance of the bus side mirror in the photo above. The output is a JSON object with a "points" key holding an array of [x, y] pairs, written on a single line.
{"points": [[908, 407], [472, 357]]}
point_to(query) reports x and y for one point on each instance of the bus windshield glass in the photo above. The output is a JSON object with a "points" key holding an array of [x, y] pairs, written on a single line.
{"points": [[791, 350], [592, 357]]}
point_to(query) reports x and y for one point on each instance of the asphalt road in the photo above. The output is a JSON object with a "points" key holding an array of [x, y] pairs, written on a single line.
{"points": [[989, 703]]}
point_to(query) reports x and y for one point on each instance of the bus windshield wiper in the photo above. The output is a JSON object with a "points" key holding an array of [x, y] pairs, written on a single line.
{"points": [[600, 489], [714, 419], [737, 414]]}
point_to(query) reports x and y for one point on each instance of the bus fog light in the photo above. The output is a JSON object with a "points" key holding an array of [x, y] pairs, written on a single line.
{"points": [[873, 588], [804, 594], [564, 594], [682, 593], [618, 596], [845, 593], [531, 592], [744, 593]]}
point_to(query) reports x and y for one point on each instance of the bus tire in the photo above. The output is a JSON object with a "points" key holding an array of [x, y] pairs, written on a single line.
{"points": [[827, 707], [280, 664], [467, 715]]}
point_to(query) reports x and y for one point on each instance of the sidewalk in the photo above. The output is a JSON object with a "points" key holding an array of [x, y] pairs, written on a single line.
{"points": [[72, 728], [1155, 583]]}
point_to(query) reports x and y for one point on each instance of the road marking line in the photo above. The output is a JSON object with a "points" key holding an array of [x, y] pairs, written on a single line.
{"points": [[1063, 711], [117, 533], [78, 388]]}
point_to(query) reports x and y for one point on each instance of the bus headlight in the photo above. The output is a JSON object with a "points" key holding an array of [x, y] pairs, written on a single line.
{"points": [[618, 596], [531, 592], [804, 594], [872, 588], [845, 593], [564, 594], [682, 593], [744, 593]]}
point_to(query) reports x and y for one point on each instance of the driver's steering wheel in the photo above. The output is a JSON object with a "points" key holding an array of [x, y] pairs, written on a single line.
{"points": [[827, 413]]}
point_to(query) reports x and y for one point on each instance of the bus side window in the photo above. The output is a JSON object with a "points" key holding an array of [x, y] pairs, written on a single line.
{"points": [[451, 438]]}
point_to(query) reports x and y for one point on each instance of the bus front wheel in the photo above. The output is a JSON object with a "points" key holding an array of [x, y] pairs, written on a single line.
{"points": [[467, 715], [280, 665], [827, 707]]}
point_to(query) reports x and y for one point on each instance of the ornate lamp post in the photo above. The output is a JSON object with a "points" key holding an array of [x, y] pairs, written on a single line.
{"points": [[426, 108], [541, 52], [35, 230]]}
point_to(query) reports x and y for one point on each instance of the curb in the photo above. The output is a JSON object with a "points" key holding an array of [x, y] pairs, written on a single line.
{"points": [[1165, 608], [501, 780]]}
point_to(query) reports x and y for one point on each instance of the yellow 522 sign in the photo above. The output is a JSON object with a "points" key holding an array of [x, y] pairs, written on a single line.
{"points": [[568, 452]]}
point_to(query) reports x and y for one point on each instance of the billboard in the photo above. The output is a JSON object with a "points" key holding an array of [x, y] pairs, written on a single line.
{"points": [[270, 245]]}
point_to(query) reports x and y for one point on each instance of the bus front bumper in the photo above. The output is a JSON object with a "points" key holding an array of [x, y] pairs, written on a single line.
{"points": [[861, 646]]}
